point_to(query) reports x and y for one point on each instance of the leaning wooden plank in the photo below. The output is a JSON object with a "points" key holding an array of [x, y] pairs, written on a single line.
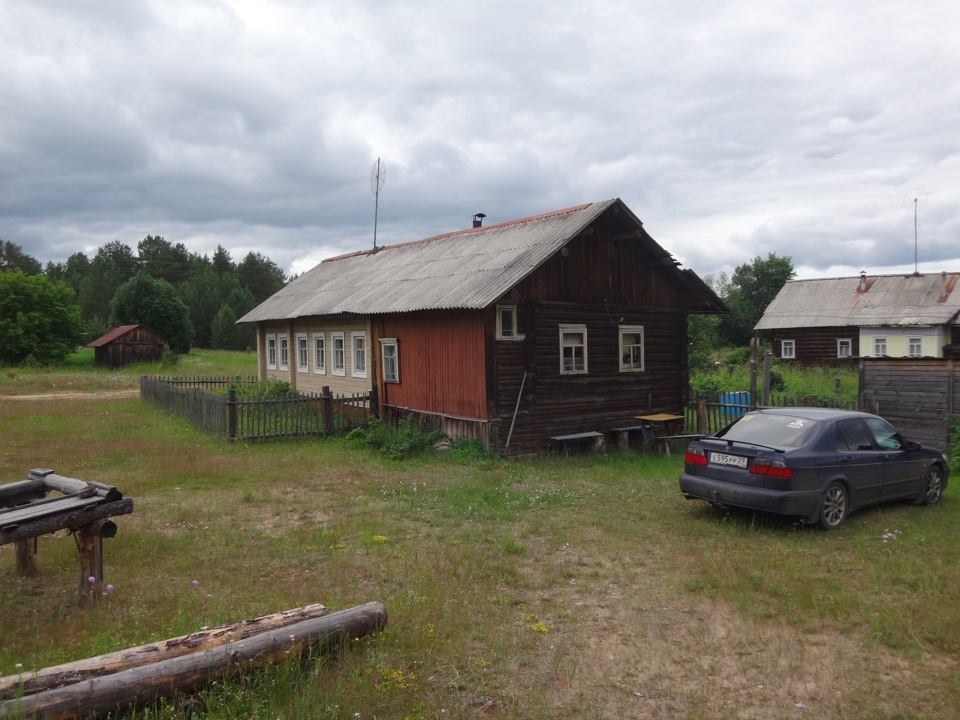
{"points": [[150, 683], [72, 519], [31, 682]]}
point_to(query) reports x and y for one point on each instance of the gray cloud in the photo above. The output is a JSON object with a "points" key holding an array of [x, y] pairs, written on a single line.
{"points": [[731, 129]]}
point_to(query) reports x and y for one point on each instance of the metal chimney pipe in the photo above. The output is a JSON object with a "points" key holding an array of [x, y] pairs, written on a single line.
{"points": [[478, 220]]}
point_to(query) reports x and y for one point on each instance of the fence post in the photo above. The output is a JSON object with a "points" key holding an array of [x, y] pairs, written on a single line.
{"points": [[232, 414], [767, 375], [701, 415], [326, 409]]}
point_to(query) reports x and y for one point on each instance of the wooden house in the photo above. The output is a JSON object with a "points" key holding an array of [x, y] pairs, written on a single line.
{"points": [[835, 320], [572, 321], [126, 344]]}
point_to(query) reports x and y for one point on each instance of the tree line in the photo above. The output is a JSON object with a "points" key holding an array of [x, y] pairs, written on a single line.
{"points": [[193, 300], [187, 298]]}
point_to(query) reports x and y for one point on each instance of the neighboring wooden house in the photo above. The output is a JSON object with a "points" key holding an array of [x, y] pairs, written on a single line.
{"points": [[126, 344], [573, 321], [831, 321]]}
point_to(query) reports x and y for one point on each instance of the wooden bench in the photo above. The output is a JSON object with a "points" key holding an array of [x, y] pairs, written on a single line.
{"points": [[595, 438], [623, 435]]}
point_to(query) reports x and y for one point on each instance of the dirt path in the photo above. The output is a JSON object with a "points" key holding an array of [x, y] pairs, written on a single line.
{"points": [[95, 395]]}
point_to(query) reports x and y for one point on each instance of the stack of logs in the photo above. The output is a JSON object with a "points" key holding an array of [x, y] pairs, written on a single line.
{"points": [[143, 675]]}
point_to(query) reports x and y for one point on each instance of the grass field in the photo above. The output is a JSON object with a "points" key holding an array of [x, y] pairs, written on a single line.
{"points": [[544, 588]]}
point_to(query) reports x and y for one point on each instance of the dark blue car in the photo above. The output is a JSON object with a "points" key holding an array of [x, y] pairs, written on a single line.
{"points": [[815, 463]]}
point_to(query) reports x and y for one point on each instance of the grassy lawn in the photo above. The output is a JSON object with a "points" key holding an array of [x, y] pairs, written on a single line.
{"points": [[544, 588]]}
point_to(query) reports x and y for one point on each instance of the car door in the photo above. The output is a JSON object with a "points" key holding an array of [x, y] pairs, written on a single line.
{"points": [[861, 461], [902, 471]]}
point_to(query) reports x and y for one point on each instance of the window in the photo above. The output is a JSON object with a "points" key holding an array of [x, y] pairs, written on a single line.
{"points": [[788, 349], [852, 435], [391, 367], [339, 354], [631, 348], [320, 354], [303, 356], [884, 434], [915, 347], [844, 347], [359, 355], [573, 349], [271, 352], [284, 352], [880, 346], [506, 322]]}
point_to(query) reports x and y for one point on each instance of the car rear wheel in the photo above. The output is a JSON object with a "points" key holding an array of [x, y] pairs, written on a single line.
{"points": [[932, 486], [834, 506]]}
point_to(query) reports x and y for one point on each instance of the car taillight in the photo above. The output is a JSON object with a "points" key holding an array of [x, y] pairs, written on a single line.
{"points": [[770, 468], [695, 456]]}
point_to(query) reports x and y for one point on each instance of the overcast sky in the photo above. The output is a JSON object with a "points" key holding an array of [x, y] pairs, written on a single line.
{"points": [[732, 129]]}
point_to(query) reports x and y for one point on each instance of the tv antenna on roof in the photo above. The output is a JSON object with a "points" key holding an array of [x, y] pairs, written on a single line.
{"points": [[377, 177], [916, 200]]}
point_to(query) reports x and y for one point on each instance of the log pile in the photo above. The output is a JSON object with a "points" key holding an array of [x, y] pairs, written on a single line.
{"points": [[143, 675]]}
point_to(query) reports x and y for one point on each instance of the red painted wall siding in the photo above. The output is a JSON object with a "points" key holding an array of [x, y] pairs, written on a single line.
{"points": [[442, 362]]}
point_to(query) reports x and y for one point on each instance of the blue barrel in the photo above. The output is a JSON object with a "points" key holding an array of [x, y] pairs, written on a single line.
{"points": [[734, 404]]}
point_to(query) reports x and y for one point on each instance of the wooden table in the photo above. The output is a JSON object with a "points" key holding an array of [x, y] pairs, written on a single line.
{"points": [[656, 425]]}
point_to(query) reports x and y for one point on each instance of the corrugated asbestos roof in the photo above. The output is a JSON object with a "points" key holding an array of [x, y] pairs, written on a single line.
{"points": [[469, 269], [867, 301]]}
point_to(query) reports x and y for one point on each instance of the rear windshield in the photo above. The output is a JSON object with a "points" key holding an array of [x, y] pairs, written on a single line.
{"points": [[773, 430]]}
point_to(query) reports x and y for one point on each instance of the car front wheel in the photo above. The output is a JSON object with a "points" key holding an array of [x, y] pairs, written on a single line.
{"points": [[834, 506], [932, 486]]}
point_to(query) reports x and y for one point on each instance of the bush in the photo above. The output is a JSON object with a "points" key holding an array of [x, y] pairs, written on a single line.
{"points": [[738, 356], [262, 390], [409, 437]]}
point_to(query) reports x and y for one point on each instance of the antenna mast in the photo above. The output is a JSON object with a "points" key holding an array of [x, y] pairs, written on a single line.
{"points": [[918, 199], [377, 177]]}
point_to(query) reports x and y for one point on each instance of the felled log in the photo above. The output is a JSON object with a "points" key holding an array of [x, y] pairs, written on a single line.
{"points": [[71, 486], [149, 683], [31, 682]]}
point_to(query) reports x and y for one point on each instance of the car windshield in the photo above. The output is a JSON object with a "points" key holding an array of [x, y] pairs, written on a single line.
{"points": [[774, 430]]}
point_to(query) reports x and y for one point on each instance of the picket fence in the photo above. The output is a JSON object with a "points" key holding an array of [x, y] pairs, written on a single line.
{"points": [[213, 404]]}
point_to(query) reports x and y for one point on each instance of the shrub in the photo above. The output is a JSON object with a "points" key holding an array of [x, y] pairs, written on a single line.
{"points": [[409, 437], [262, 390]]}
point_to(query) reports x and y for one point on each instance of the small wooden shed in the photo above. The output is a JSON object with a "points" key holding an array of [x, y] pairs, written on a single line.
{"points": [[126, 344]]}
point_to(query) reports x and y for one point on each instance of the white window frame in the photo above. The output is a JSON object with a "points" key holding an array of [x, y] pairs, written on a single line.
{"points": [[844, 343], [914, 342], [631, 366], [271, 341], [283, 361], [358, 354], [320, 354], [338, 354], [880, 347], [502, 332], [390, 362], [788, 349], [303, 353], [574, 330]]}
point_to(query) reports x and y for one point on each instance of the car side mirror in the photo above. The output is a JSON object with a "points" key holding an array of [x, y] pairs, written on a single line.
{"points": [[913, 446]]}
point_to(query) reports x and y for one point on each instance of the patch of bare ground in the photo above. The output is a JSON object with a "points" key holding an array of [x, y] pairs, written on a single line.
{"points": [[624, 643], [93, 395]]}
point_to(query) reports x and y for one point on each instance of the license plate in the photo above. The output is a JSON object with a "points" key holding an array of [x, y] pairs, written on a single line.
{"points": [[721, 459]]}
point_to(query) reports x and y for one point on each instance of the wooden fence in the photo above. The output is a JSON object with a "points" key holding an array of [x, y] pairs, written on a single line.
{"points": [[254, 418], [706, 415]]}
